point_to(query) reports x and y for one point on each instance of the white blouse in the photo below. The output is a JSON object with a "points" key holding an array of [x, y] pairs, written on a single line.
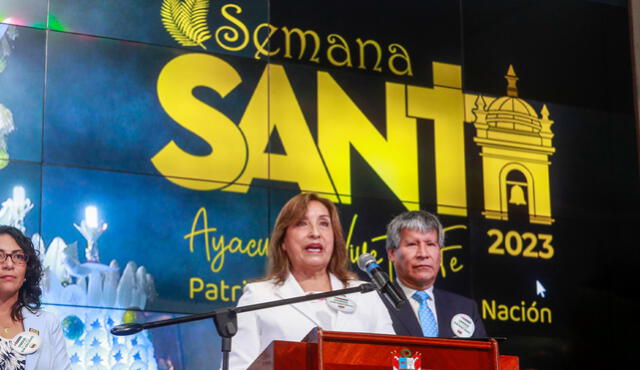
{"points": [[10, 359]]}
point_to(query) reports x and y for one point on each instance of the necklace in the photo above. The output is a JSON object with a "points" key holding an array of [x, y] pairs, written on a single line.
{"points": [[6, 330]]}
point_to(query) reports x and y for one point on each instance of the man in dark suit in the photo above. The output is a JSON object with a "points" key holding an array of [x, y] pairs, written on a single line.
{"points": [[414, 240]]}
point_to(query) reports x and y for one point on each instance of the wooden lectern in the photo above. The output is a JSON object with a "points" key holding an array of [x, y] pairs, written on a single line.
{"points": [[331, 350]]}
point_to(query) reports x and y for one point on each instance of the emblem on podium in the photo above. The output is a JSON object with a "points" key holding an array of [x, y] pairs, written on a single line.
{"points": [[407, 360]]}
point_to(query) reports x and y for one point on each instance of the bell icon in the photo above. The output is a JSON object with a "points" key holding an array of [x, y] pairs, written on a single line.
{"points": [[517, 196]]}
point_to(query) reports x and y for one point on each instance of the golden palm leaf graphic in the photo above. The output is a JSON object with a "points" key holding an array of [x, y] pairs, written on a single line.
{"points": [[186, 21]]}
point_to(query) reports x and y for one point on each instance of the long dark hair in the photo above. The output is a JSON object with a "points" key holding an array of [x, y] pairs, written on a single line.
{"points": [[30, 292]]}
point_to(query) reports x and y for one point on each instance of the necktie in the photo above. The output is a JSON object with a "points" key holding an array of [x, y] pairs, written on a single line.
{"points": [[427, 320]]}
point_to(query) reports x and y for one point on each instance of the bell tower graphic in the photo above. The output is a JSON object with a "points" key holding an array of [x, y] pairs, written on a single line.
{"points": [[515, 149]]}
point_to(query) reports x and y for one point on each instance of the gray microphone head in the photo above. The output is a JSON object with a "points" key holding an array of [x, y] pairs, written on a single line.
{"points": [[365, 260]]}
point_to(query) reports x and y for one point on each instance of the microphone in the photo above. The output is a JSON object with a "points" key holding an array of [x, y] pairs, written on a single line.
{"points": [[126, 329], [380, 279]]}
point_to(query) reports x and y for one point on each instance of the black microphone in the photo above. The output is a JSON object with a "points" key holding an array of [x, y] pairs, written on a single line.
{"points": [[126, 329], [380, 279]]}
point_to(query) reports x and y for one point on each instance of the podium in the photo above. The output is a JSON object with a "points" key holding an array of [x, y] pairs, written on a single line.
{"points": [[330, 350]]}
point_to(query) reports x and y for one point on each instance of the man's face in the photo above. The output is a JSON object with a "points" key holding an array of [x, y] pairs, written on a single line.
{"points": [[417, 258]]}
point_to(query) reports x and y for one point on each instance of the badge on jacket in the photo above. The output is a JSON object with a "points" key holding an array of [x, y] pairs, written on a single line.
{"points": [[462, 325], [341, 303], [26, 342]]}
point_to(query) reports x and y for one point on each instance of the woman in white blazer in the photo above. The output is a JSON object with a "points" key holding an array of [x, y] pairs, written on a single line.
{"points": [[307, 255], [29, 338], [52, 353]]}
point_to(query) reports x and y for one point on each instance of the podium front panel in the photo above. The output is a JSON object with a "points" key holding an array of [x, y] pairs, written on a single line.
{"points": [[326, 350], [341, 351]]}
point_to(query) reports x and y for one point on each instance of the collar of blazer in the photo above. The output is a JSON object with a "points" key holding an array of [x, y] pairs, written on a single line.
{"points": [[33, 321], [290, 288], [405, 315]]}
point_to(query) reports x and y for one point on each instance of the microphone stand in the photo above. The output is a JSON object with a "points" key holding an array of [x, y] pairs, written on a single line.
{"points": [[226, 320]]}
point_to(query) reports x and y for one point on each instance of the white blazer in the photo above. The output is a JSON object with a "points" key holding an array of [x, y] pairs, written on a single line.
{"points": [[52, 353], [257, 329]]}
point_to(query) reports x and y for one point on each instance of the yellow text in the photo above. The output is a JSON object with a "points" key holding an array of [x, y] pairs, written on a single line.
{"points": [[516, 313], [212, 291], [321, 164], [338, 51], [216, 250], [518, 244]]}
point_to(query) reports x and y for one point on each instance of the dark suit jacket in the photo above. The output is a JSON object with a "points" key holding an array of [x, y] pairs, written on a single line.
{"points": [[448, 305]]}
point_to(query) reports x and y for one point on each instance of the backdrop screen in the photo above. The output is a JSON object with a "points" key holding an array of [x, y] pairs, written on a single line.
{"points": [[148, 146]]}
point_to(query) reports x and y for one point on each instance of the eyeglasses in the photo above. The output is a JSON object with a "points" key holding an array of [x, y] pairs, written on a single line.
{"points": [[18, 258]]}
